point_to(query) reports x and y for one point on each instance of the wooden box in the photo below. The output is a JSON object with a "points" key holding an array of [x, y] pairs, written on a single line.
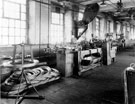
{"points": [[65, 61]]}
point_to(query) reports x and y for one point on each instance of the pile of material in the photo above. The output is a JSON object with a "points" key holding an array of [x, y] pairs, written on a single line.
{"points": [[24, 79], [17, 77]]}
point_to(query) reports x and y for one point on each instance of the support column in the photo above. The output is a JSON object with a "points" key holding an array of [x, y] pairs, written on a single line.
{"points": [[39, 20]]}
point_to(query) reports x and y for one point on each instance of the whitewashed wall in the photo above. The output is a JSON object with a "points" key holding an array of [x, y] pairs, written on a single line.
{"points": [[38, 31]]}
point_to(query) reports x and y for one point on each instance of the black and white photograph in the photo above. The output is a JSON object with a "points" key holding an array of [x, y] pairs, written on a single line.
{"points": [[67, 51]]}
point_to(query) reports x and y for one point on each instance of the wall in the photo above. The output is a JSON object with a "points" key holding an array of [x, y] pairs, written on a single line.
{"points": [[39, 22], [68, 26]]}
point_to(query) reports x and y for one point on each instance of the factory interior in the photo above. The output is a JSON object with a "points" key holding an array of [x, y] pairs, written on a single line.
{"points": [[67, 51]]}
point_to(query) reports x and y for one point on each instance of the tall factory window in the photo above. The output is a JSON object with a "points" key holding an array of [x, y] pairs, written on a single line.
{"points": [[56, 36], [134, 32], [12, 22], [118, 26], [97, 27], [108, 26], [80, 16], [111, 27]]}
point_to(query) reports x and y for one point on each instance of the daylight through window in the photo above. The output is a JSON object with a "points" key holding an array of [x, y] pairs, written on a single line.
{"points": [[12, 22]]}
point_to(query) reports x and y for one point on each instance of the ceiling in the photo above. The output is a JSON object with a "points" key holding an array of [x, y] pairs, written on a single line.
{"points": [[124, 12]]}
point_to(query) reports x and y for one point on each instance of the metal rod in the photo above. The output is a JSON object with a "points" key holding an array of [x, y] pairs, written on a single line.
{"points": [[41, 2], [13, 61], [22, 46], [31, 51], [48, 25], [53, 3], [40, 17], [25, 96]]}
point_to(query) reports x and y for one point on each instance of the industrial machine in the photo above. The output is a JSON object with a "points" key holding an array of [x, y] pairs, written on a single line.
{"points": [[129, 84]]}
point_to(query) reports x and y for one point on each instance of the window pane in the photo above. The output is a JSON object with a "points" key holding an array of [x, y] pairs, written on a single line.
{"points": [[61, 19], [15, 1], [61, 16], [22, 39], [11, 23], [23, 32], [22, 1], [17, 32], [0, 12], [56, 28], [5, 40], [60, 28], [23, 16], [11, 6], [19, 1], [11, 10], [55, 18], [0, 4], [0, 31], [4, 22], [57, 15], [0, 22], [5, 31], [80, 16], [12, 0], [23, 8], [23, 24], [11, 40], [17, 40], [11, 32], [0, 40], [13, 27], [17, 24], [15, 15], [55, 21]]}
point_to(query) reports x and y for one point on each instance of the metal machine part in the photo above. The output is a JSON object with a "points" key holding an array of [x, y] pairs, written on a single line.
{"points": [[129, 84], [90, 13]]}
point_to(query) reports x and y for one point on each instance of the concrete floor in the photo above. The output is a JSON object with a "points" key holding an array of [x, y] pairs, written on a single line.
{"points": [[103, 85]]}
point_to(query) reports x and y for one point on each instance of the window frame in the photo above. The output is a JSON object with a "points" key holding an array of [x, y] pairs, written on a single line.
{"points": [[24, 28], [59, 26], [97, 27]]}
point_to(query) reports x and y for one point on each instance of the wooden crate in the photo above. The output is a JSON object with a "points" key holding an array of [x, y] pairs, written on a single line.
{"points": [[65, 61]]}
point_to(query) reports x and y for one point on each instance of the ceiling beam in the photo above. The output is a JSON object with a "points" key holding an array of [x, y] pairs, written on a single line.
{"points": [[80, 1], [114, 6], [90, 2]]}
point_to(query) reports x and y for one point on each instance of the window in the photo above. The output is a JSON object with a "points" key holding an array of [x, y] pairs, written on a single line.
{"points": [[80, 16], [108, 26], [97, 27], [111, 27], [133, 32], [124, 30], [118, 28], [56, 35], [12, 21]]}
